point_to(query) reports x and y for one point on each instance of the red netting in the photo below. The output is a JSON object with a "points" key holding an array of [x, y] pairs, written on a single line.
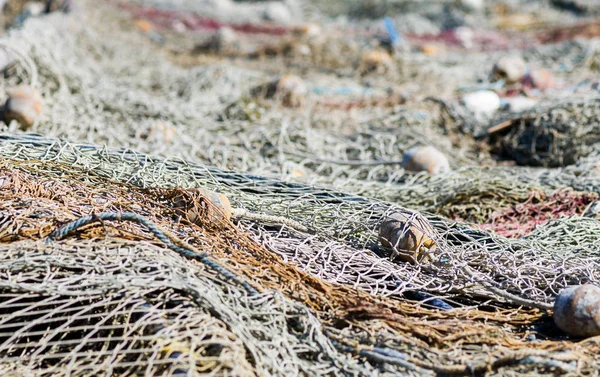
{"points": [[521, 219]]}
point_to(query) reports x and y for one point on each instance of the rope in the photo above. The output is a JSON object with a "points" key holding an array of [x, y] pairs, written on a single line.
{"points": [[507, 295], [69, 228], [380, 355], [241, 213]]}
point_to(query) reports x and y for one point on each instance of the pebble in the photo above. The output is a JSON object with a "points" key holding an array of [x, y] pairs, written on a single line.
{"points": [[34, 8], [509, 68], [292, 90], [378, 60], [465, 36], [482, 103], [425, 158], [24, 104], [519, 104], [277, 12]]}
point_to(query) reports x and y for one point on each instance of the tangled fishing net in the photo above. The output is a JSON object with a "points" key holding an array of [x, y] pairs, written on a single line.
{"points": [[103, 270]]}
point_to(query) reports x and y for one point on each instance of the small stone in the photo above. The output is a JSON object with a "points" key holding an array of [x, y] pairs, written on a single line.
{"points": [[483, 103], [24, 104], [378, 60], [425, 158], [292, 90], [509, 68], [34, 8], [277, 12], [465, 36]]}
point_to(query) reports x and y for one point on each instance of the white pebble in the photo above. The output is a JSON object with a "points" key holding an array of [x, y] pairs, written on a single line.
{"points": [[35, 9], [277, 12], [465, 35], [483, 103], [518, 104]]}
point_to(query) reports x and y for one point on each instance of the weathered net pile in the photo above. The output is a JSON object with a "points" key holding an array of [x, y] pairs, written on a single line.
{"points": [[557, 135], [146, 102], [307, 271], [297, 283]]}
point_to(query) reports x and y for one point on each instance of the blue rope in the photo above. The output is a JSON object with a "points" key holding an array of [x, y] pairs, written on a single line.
{"points": [[391, 31], [67, 229]]}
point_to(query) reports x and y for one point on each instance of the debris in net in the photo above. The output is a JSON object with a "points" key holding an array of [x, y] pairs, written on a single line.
{"points": [[428, 300], [148, 28], [407, 236], [539, 79], [392, 99], [291, 90], [34, 8], [198, 204], [579, 7], [425, 158], [593, 210], [225, 41], [516, 22], [577, 310], [58, 5], [465, 36], [376, 61], [24, 104], [483, 104], [160, 131], [472, 5], [307, 32], [392, 41], [518, 104], [431, 49], [277, 12], [552, 136], [509, 68], [143, 25]]}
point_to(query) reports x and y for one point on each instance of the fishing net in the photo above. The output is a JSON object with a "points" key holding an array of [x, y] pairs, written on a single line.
{"points": [[555, 136], [351, 298], [297, 283]]}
